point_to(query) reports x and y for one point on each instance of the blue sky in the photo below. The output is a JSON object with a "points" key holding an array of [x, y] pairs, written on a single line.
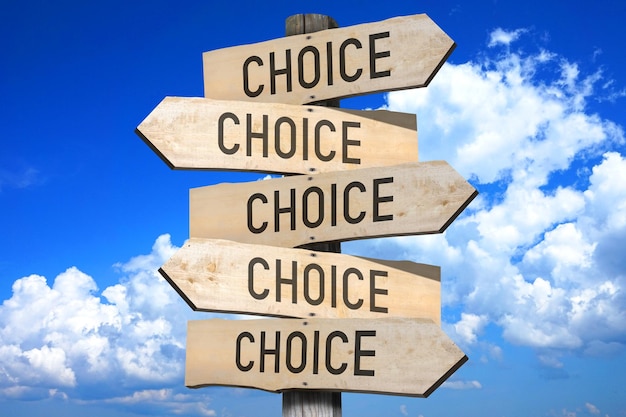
{"points": [[529, 108]]}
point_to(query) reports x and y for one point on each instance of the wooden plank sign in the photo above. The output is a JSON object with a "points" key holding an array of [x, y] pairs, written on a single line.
{"points": [[199, 133], [405, 199], [393, 356], [232, 277], [399, 53]]}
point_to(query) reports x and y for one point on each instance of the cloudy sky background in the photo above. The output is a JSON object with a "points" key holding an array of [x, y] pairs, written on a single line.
{"points": [[533, 272]]}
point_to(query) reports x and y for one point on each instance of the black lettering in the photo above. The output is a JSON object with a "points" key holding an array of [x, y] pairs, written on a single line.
{"points": [[255, 135], [220, 133], [316, 66], [346, 301], [377, 199], [305, 207], [376, 55], [284, 71], [307, 284], [329, 339], [291, 209], [240, 366], [305, 139], [293, 281], [333, 204], [342, 60], [329, 61], [251, 264], [375, 291], [251, 227], [349, 142], [278, 137], [303, 347], [246, 77], [333, 286], [346, 202], [275, 352], [318, 148], [358, 353], [316, 352]]}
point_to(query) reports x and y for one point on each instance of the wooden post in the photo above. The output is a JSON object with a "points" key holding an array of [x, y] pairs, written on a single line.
{"points": [[303, 403]]}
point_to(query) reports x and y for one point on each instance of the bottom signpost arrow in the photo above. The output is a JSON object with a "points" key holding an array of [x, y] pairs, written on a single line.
{"points": [[392, 355]]}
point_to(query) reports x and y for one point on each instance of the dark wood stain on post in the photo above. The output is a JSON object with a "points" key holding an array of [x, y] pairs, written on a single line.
{"points": [[303, 403]]}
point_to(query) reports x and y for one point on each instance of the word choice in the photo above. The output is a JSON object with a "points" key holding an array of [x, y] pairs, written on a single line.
{"points": [[267, 70], [286, 136], [309, 207], [316, 283], [298, 353]]}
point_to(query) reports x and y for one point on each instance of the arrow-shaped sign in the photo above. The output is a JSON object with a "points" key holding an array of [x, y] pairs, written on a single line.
{"points": [[226, 276], [396, 356], [408, 199], [398, 53], [199, 133]]}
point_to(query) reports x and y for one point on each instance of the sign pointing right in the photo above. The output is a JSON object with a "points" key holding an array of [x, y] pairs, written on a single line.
{"points": [[393, 356], [399, 53], [407, 199]]}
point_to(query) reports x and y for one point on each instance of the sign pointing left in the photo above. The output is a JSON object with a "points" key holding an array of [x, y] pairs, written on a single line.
{"points": [[200, 133]]}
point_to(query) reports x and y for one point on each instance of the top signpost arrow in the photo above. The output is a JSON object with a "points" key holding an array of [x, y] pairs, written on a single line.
{"points": [[394, 54]]}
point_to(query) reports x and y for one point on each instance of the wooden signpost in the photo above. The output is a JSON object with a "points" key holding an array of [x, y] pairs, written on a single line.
{"points": [[396, 356], [363, 325], [200, 133], [232, 277], [408, 199], [399, 53]]}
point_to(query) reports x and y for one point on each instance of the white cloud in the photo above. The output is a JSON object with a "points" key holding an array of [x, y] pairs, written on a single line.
{"points": [[539, 253], [462, 385], [469, 327], [63, 336], [503, 37], [592, 408]]}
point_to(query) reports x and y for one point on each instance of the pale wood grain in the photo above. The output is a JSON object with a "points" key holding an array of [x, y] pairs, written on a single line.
{"points": [[396, 356], [422, 198], [417, 48], [214, 275], [185, 133]]}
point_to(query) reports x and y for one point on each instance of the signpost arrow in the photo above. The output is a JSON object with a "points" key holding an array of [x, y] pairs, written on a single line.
{"points": [[408, 199], [399, 53], [226, 276], [199, 133], [394, 356]]}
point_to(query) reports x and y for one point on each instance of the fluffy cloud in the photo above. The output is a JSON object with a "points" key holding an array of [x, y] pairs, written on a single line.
{"points": [[64, 337], [539, 253]]}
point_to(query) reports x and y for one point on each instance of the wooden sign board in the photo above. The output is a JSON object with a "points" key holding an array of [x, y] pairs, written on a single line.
{"points": [[393, 356], [406, 199], [399, 53], [199, 133], [232, 277]]}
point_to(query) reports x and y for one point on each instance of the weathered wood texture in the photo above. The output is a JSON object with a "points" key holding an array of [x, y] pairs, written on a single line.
{"points": [[200, 133], [406, 199], [226, 276], [307, 403], [396, 356], [399, 53]]}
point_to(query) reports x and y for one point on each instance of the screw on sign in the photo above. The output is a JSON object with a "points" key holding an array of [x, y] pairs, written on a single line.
{"points": [[218, 134], [395, 355], [232, 277], [399, 53], [407, 199], [359, 191]]}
